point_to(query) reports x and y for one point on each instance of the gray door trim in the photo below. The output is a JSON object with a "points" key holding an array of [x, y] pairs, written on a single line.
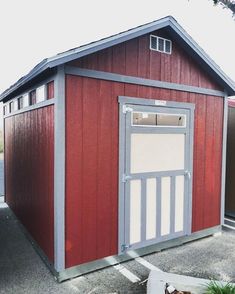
{"points": [[59, 171], [123, 106]]}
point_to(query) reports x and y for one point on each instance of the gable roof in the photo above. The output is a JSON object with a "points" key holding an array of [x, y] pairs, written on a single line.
{"points": [[168, 23]]}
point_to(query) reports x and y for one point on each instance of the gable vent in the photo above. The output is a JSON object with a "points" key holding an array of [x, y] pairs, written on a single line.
{"points": [[160, 44]]}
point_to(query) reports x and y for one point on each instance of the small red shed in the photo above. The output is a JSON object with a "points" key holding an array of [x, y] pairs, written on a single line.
{"points": [[116, 148]]}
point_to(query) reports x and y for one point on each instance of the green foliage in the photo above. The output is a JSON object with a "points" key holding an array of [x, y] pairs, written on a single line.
{"points": [[217, 288]]}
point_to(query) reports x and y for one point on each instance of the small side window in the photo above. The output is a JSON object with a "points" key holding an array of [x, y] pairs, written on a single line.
{"points": [[15, 104], [40, 94], [20, 101], [25, 100], [32, 97], [11, 107], [5, 110]]}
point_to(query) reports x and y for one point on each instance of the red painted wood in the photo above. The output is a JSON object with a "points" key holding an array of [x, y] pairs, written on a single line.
{"points": [[231, 102], [29, 173], [92, 163], [50, 90], [125, 58]]}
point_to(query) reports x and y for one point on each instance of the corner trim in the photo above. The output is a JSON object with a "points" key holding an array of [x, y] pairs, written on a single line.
{"points": [[224, 156], [102, 75], [59, 171]]}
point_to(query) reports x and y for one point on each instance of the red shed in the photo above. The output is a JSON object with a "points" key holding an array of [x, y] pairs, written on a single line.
{"points": [[116, 148]]}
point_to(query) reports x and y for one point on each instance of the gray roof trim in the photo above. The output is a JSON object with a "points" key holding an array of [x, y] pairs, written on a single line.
{"points": [[79, 52]]}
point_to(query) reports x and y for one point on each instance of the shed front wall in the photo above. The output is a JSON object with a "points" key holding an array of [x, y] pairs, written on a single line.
{"points": [[134, 58], [29, 173], [92, 150]]}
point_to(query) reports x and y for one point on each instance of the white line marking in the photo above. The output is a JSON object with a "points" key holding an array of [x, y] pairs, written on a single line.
{"points": [[229, 220], [126, 273], [230, 227], [147, 264]]}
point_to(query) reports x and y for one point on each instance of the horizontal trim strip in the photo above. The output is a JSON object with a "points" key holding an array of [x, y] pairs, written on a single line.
{"points": [[102, 75], [32, 107]]}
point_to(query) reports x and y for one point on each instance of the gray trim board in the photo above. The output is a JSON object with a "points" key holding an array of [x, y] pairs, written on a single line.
{"points": [[59, 171], [224, 155], [102, 75], [152, 102], [31, 107]]}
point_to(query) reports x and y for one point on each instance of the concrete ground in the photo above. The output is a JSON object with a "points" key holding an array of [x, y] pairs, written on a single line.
{"points": [[22, 271]]}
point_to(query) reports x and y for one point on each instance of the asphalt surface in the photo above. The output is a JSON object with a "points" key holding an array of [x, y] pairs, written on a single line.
{"points": [[1, 178], [22, 270]]}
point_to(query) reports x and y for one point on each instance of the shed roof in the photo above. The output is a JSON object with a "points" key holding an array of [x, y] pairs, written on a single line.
{"points": [[168, 23]]}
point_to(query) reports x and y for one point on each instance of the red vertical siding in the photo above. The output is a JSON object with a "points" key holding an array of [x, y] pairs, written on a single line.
{"points": [[50, 90], [29, 173], [136, 59], [92, 163]]}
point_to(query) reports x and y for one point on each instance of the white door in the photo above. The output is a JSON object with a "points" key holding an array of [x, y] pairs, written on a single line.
{"points": [[156, 175]]}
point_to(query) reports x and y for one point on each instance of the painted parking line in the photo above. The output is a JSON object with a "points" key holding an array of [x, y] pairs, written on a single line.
{"points": [[143, 262], [126, 273], [147, 264]]}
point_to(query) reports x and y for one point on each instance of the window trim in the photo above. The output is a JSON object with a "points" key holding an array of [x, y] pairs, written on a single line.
{"points": [[164, 44], [160, 126]]}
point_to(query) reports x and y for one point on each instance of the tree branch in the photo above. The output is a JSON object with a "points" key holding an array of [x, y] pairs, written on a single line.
{"points": [[230, 4]]}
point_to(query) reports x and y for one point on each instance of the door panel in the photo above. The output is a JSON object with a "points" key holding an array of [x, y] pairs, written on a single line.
{"points": [[147, 155], [157, 169]]}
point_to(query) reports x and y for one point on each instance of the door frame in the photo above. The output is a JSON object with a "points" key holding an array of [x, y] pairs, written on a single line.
{"points": [[123, 109]]}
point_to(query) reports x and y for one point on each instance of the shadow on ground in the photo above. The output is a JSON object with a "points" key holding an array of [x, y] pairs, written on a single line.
{"points": [[22, 271]]}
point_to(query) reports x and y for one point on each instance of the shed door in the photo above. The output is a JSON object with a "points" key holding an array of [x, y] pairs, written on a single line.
{"points": [[157, 175]]}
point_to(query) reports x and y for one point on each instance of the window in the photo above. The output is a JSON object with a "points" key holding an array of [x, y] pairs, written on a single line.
{"points": [[40, 94], [158, 119], [15, 104], [32, 97], [11, 107], [160, 44], [20, 101], [25, 100], [5, 110]]}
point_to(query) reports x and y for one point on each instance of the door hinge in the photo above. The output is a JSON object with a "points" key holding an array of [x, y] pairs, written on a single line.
{"points": [[187, 174], [125, 178], [124, 247], [126, 109]]}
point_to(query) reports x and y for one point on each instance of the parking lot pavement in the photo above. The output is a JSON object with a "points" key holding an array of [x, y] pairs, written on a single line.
{"points": [[22, 271]]}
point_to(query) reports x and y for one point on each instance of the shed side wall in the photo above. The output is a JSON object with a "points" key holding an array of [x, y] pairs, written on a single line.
{"points": [[92, 163], [29, 169]]}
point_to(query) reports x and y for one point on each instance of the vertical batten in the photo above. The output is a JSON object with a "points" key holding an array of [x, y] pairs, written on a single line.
{"points": [[166, 206], [59, 171], [151, 208], [135, 211]]}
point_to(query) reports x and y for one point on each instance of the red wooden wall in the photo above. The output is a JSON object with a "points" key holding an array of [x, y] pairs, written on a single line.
{"points": [[134, 58], [92, 163], [29, 168]]}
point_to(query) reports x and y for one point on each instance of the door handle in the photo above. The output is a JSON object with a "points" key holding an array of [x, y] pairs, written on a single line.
{"points": [[187, 174]]}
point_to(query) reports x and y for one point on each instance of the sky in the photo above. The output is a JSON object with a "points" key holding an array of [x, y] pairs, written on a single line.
{"points": [[33, 30]]}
